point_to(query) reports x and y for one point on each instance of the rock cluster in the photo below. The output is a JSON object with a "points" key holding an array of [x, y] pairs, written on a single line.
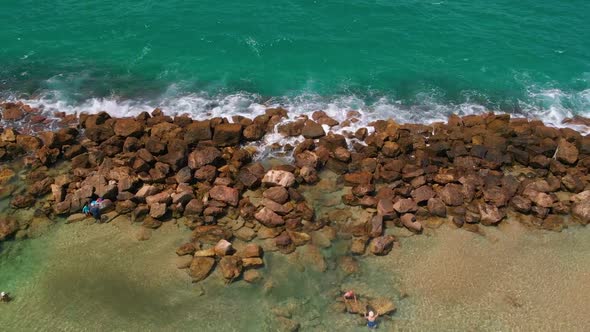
{"points": [[473, 170]]}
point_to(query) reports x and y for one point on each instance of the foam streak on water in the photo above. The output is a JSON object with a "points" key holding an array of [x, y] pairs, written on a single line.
{"points": [[551, 106]]}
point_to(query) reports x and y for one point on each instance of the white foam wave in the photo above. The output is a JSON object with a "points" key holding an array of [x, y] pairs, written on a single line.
{"points": [[551, 106]]}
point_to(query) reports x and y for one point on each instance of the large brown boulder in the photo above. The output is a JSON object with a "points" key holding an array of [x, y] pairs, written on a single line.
{"points": [[357, 178], [251, 175], [496, 196], [277, 194], [203, 156], [539, 198], [306, 158], [194, 207], [405, 205], [197, 131], [382, 245], [12, 112], [42, 187], [312, 129], [581, 211], [452, 194], [254, 131], [227, 134], [437, 207], [293, 128], [200, 268], [342, 154], [409, 221], [573, 183], [188, 248], [376, 226], [422, 194], [49, 156], [28, 143], [225, 194], [210, 234], [278, 178], [490, 215], [100, 133], [269, 218], [566, 152], [251, 250], [309, 174], [521, 204], [183, 197], [206, 173], [9, 135], [162, 197], [128, 127], [385, 208], [391, 149], [157, 210]]}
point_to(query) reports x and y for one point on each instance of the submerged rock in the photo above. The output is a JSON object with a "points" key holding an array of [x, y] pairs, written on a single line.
{"points": [[358, 245], [382, 305], [76, 217], [8, 227], [252, 276], [251, 250], [200, 268], [188, 248], [231, 267]]}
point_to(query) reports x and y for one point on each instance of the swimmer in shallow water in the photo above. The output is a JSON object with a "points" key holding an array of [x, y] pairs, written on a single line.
{"points": [[350, 295], [4, 297], [371, 320]]}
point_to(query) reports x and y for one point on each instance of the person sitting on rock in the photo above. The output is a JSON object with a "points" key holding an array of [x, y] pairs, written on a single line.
{"points": [[371, 320], [4, 297], [94, 208]]}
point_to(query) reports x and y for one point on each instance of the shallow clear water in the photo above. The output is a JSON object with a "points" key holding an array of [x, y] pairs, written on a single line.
{"points": [[98, 277]]}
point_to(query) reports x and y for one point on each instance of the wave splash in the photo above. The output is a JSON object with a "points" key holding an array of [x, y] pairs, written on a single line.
{"points": [[551, 106]]}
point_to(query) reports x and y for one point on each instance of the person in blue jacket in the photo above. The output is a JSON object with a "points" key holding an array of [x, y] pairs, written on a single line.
{"points": [[93, 209]]}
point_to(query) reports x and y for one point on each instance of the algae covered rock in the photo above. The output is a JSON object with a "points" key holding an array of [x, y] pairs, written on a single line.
{"points": [[8, 226], [200, 268], [231, 267]]}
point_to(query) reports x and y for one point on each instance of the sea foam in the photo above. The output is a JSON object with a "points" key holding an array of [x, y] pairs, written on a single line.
{"points": [[551, 106]]}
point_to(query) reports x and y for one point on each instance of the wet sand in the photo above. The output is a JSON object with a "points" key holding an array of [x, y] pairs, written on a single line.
{"points": [[511, 279]]}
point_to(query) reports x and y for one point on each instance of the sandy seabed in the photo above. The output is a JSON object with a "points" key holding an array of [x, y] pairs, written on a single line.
{"points": [[90, 277]]}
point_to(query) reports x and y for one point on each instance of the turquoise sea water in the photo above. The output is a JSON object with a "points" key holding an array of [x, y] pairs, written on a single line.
{"points": [[434, 56]]}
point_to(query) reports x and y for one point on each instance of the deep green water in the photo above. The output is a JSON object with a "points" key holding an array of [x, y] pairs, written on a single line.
{"points": [[528, 57]]}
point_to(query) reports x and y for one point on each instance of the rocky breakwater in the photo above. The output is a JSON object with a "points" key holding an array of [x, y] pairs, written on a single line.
{"points": [[471, 171]]}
